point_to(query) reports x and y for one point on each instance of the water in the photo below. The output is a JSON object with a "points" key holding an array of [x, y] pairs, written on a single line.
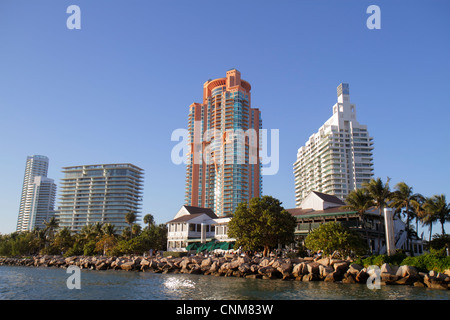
{"points": [[23, 283]]}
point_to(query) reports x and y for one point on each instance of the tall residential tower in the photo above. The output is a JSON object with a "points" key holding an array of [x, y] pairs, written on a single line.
{"points": [[38, 195], [338, 158], [102, 193], [223, 164]]}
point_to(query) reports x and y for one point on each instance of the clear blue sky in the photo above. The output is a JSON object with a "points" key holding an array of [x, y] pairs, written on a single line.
{"points": [[115, 90]]}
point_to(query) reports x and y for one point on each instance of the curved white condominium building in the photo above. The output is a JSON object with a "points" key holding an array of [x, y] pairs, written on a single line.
{"points": [[338, 158]]}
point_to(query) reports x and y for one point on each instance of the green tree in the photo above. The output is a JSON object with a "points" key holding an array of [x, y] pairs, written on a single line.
{"points": [[402, 198], [130, 218], [418, 210], [136, 229], [149, 220], [333, 236], [439, 209], [380, 194], [262, 223], [429, 214], [50, 228], [108, 240], [63, 240], [360, 200]]}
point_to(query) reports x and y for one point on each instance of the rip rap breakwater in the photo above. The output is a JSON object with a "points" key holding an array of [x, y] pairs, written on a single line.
{"points": [[299, 269]]}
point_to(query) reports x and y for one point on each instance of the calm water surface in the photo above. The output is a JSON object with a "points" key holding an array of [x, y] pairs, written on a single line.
{"points": [[50, 283]]}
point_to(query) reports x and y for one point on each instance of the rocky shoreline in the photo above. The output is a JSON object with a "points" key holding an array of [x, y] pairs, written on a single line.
{"points": [[299, 269]]}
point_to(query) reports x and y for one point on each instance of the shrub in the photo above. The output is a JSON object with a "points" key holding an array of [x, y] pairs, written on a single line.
{"points": [[440, 242], [379, 260], [428, 262]]}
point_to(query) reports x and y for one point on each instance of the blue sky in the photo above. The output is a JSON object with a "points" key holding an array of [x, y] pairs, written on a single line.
{"points": [[115, 90]]}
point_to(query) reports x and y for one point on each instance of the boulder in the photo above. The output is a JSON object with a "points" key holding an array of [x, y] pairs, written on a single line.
{"points": [[206, 262], [437, 275], [145, 263], [194, 269], [268, 272], [244, 268], [348, 278], [437, 284], [313, 268], [324, 261], [404, 271], [387, 268], [127, 266], [419, 284], [354, 269], [310, 277], [285, 269], [408, 280], [234, 264], [224, 267], [340, 267], [254, 268], [362, 276], [244, 259], [214, 266], [264, 262], [101, 266], [388, 278], [324, 271], [184, 262], [331, 277]]}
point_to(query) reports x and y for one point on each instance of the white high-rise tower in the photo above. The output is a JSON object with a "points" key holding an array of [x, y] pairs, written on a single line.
{"points": [[338, 158], [38, 194]]}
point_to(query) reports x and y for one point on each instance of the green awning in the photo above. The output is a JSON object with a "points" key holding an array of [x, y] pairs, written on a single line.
{"points": [[193, 246]]}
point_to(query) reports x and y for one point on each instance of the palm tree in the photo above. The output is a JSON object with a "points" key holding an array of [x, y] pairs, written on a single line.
{"points": [[130, 218], [402, 198], [50, 227], [108, 239], [149, 220], [87, 233], [428, 216], [380, 194], [418, 210], [135, 229], [41, 238], [109, 229], [440, 210], [359, 200]]}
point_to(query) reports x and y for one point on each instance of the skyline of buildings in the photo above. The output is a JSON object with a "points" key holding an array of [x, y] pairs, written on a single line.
{"points": [[224, 167], [338, 158]]}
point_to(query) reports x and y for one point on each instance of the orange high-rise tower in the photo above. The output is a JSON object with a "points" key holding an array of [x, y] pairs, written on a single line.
{"points": [[223, 163]]}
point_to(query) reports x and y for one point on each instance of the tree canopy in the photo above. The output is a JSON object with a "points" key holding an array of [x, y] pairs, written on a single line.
{"points": [[333, 236], [262, 223]]}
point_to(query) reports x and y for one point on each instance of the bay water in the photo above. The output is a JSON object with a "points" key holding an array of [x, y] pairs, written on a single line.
{"points": [[30, 283]]}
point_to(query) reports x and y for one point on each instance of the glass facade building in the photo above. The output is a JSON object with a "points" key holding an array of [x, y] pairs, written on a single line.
{"points": [[223, 163], [102, 193]]}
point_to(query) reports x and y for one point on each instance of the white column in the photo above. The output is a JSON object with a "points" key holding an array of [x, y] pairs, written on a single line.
{"points": [[389, 229], [203, 233]]}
